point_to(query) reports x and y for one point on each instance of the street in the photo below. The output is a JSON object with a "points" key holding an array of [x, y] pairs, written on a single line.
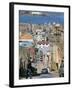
{"points": [[49, 75]]}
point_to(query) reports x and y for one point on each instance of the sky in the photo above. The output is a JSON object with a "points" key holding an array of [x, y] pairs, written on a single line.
{"points": [[50, 17]]}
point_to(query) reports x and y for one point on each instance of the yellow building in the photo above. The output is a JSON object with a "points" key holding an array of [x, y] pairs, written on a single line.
{"points": [[56, 57]]}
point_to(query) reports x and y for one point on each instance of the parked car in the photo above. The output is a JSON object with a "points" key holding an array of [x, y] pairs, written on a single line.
{"points": [[44, 71], [34, 71]]}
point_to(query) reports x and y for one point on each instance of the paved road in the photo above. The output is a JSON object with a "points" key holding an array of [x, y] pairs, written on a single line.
{"points": [[49, 75]]}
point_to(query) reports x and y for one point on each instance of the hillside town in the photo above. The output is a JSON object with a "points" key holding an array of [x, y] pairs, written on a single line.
{"points": [[43, 46]]}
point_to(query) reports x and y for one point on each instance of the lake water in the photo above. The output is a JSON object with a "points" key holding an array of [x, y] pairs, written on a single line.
{"points": [[42, 19]]}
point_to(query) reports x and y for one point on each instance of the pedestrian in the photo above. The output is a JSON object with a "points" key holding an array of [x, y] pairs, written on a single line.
{"points": [[21, 70], [29, 70]]}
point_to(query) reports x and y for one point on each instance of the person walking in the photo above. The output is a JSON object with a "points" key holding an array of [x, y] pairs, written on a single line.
{"points": [[29, 70]]}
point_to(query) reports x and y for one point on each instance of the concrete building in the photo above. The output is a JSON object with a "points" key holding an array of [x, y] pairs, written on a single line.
{"points": [[48, 39]]}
